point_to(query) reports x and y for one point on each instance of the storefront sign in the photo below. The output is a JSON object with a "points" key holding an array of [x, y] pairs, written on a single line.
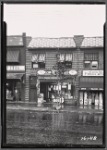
{"points": [[72, 72], [92, 72], [15, 68], [95, 89], [41, 72]]}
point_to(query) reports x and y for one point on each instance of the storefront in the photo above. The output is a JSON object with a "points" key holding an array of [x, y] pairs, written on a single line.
{"points": [[47, 85], [15, 83], [91, 89]]}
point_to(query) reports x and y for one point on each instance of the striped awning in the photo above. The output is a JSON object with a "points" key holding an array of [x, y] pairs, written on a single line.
{"points": [[14, 76], [12, 56], [91, 82]]}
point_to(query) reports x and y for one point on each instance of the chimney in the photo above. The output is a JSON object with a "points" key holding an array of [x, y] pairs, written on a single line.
{"points": [[78, 39], [24, 39]]}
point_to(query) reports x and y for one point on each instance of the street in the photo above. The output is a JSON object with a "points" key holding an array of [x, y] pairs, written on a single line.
{"points": [[53, 128]]}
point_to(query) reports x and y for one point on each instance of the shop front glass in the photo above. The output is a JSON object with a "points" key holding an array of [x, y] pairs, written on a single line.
{"points": [[13, 90], [54, 91], [92, 98]]}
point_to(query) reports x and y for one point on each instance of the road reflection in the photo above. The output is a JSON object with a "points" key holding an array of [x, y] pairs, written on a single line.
{"points": [[53, 127]]}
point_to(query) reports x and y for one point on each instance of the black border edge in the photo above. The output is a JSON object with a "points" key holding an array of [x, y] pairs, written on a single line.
{"points": [[3, 79], [3, 76]]}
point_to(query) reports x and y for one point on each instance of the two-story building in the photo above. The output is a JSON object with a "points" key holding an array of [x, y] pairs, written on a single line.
{"points": [[82, 59], [92, 78], [15, 66]]}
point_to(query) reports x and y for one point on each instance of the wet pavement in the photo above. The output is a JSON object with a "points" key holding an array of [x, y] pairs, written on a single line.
{"points": [[54, 128]]}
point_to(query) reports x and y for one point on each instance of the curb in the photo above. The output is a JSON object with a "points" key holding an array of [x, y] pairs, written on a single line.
{"points": [[54, 110]]}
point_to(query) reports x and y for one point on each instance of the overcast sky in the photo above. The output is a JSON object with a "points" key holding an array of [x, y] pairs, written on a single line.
{"points": [[55, 20]]}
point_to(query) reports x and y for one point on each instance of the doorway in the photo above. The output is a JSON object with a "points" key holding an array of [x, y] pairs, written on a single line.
{"points": [[44, 88]]}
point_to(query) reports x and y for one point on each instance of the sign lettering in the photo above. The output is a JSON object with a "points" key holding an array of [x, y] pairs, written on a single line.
{"points": [[92, 72], [15, 68]]}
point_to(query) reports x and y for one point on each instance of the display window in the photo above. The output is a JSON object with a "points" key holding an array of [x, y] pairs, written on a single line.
{"points": [[9, 91], [91, 98], [54, 91], [13, 90], [66, 90]]}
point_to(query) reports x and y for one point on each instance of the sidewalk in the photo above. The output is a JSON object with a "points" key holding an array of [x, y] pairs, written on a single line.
{"points": [[51, 107]]}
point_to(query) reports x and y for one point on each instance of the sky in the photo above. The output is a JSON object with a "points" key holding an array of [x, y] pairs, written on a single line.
{"points": [[39, 20]]}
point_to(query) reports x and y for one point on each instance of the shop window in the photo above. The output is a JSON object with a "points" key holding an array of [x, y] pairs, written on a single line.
{"points": [[13, 90], [9, 91], [38, 61]]}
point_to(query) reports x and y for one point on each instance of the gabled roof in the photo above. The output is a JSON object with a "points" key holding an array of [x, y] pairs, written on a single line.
{"points": [[92, 42], [64, 42], [51, 42], [14, 40]]}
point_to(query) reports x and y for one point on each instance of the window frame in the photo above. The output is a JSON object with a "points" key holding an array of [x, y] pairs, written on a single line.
{"points": [[38, 62], [64, 62]]}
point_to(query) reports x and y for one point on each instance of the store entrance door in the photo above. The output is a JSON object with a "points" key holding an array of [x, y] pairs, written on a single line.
{"points": [[44, 89]]}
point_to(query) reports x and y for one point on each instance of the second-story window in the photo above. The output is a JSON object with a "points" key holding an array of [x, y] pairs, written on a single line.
{"points": [[38, 61], [91, 60], [66, 60]]}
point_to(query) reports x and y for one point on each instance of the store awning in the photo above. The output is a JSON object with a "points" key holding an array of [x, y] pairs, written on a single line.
{"points": [[91, 82], [12, 56], [14, 76]]}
